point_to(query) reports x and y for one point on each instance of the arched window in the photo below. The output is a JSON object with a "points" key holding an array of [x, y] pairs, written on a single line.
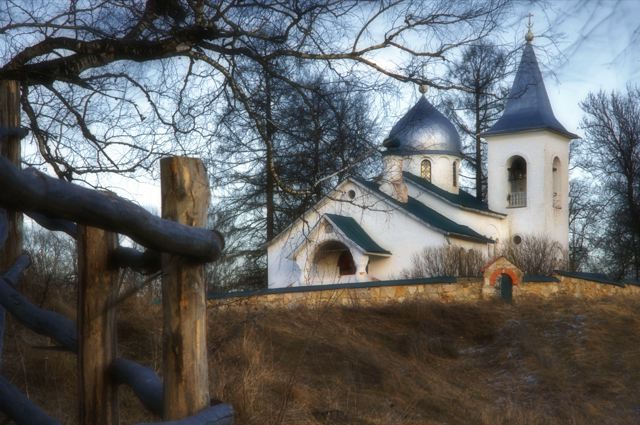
{"points": [[455, 174], [425, 169], [556, 186], [517, 196]]}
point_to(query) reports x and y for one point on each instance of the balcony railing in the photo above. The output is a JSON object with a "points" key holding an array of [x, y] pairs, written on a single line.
{"points": [[517, 199]]}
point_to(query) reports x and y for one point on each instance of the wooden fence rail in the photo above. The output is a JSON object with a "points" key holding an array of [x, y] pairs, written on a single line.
{"points": [[31, 190], [19, 408]]}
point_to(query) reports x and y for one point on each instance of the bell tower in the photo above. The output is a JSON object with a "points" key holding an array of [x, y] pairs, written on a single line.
{"points": [[528, 158]]}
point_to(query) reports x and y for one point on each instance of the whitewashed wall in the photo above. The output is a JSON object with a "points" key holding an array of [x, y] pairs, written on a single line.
{"points": [[441, 169], [538, 148], [391, 228]]}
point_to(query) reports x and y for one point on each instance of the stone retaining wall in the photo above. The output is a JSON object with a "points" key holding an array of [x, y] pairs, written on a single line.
{"points": [[435, 289], [370, 293]]}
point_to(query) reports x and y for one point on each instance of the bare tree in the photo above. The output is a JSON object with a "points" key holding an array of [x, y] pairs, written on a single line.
{"points": [[109, 86], [481, 72], [586, 219], [611, 153], [319, 134]]}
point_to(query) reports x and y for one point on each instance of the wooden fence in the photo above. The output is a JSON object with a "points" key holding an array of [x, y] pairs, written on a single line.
{"points": [[177, 244]]}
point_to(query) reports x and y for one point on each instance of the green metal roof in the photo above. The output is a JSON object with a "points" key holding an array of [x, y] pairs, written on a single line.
{"points": [[357, 234], [430, 217], [539, 278], [594, 277], [439, 280], [462, 199]]}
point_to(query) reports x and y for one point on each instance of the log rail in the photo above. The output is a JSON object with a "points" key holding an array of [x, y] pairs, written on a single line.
{"points": [[31, 190]]}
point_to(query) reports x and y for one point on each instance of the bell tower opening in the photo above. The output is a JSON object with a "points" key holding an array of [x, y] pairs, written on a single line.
{"points": [[517, 196], [455, 174], [557, 197]]}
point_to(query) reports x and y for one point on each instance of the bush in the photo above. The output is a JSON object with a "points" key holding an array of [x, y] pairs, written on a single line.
{"points": [[536, 255], [445, 261]]}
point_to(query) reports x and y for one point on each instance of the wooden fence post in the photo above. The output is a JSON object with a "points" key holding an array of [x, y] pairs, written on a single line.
{"points": [[185, 199], [10, 148], [97, 339]]}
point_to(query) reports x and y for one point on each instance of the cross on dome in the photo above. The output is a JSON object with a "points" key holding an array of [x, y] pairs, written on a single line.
{"points": [[529, 36]]}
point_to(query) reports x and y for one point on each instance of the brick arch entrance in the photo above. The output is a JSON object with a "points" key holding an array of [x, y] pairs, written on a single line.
{"points": [[503, 271], [501, 277]]}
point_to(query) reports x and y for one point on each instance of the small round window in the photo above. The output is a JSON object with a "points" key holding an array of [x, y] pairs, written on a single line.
{"points": [[351, 194], [517, 239]]}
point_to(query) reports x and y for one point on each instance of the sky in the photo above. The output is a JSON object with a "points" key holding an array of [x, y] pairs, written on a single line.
{"points": [[598, 49], [582, 46]]}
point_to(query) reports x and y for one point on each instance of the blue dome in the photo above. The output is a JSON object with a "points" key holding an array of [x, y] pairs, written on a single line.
{"points": [[423, 129]]}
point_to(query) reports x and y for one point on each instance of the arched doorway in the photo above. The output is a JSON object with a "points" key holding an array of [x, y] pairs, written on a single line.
{"points": [[505, 286], [332, 260]]}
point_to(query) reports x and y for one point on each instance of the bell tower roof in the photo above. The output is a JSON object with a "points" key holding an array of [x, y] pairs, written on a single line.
{"points": [[528, 107]]}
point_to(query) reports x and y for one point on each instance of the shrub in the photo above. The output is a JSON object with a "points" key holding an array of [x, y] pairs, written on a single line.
{"points": [[536, 254], [445, 261]]}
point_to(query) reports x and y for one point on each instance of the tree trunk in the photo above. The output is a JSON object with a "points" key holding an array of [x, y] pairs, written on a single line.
{"points": [[478, 140], [270, 181], [185, 199]]}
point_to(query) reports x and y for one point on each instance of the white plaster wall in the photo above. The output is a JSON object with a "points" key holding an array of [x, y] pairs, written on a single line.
{"points": [[494, 227], [441, 169], [389, 227], [538, 148]]}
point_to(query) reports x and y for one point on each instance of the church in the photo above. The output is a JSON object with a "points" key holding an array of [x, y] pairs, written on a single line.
{"points": [[371, 230]]}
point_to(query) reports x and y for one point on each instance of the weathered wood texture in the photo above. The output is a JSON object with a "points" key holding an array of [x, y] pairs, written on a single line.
{"points": [[19, 408], [17, 269], [3, 238], [144, 382], [220, 414], [11, 247], [4, 226], [10, 149], [143, 262], [11, 277], [97, 288], [54, 224], [30, 190], [44, 322], [185, 199]]}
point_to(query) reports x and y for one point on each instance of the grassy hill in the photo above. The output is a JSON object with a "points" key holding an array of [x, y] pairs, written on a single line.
{"points": [[564, 361]]}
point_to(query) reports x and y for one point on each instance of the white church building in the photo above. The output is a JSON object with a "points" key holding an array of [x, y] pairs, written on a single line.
{"points": [[371, 230]]}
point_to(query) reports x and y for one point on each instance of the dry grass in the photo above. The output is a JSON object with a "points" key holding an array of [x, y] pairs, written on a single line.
{"points": [[564, 361]]}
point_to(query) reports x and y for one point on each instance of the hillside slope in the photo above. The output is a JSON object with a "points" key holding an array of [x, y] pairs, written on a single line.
{"points": [[564, 361]]}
